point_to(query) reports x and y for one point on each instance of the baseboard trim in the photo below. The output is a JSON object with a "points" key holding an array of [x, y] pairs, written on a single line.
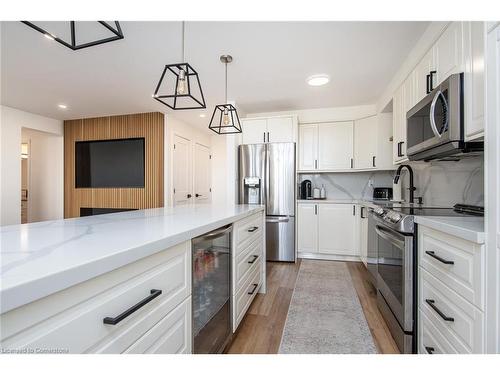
{"points": [[319, 256]]}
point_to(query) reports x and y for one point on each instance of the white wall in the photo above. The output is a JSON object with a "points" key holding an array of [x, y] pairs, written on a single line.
{"points": [[174, 126], [46, 175], [11, 123]]}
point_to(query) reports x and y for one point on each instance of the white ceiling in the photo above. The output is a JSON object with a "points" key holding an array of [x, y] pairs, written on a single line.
{"points": [[271, 63]]}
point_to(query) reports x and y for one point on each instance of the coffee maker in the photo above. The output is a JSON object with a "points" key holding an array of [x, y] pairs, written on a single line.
{"points": [[305, 189]]}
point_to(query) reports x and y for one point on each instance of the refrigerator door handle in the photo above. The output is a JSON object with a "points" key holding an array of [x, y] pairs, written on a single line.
{"points": [[278, 219]]}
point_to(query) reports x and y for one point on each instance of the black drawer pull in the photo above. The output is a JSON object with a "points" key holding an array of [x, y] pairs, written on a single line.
{"points": [[253, 229], [255, 257], [433, 254], [429, 349], [431, 303], [254, 288], [113, 321]]}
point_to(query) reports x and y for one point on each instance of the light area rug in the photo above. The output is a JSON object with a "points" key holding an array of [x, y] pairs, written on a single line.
{"points": [[325, 315]]}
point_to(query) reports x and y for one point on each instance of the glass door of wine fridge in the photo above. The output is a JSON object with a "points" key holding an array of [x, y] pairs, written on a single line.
{"points": [[211, 291]]}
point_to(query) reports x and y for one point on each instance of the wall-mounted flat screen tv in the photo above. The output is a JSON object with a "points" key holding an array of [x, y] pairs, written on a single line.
{"points": [[117, 163]]}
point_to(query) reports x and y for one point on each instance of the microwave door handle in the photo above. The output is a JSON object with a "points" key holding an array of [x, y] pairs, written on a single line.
{"points": [[433, 112]]}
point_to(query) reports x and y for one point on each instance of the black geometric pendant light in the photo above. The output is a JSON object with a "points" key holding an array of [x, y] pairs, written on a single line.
{"points": [[225, 118], [180, 85], [72, 44]]}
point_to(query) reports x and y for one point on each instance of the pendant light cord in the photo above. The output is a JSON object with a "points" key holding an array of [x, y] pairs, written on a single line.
{"points": [[225, 92], [183, 32]]}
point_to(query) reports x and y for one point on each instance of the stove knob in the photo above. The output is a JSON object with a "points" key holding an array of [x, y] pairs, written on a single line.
{"points": [[395, 217]]}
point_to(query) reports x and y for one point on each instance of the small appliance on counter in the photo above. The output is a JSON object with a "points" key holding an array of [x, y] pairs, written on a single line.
{"points": [[305, 189], [382, 193]]}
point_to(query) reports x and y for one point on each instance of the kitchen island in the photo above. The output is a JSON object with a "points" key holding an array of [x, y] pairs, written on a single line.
{"points": [[60, 278]]}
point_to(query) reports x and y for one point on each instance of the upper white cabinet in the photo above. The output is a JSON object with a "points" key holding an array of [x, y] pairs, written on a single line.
{"points": [[448, 53], [399, 125], [365, 142], [422, 75], [335, 145], [308, 147], [474, 44], [271, 129]]}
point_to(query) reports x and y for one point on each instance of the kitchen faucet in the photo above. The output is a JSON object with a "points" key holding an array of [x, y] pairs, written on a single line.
{"points": [[412, 187]]}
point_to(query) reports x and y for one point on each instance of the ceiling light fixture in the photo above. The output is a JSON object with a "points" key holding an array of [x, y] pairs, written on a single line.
{"points": [[318, 80], [182, 85], [116, 30], [203, 115], [225, 118], [62, 106]]}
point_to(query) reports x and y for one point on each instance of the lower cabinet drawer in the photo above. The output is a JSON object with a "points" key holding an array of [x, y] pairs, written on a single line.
{"points": [[460, 322], [245, 260], [430, 339], [171, 335], [247, 230], [244, 297], [73, 320]]}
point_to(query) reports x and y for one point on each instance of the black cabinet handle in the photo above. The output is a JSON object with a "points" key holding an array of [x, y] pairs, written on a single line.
{"points": [[373, 161], [315, 209], [431, 81], [433, 254], [264, 137], [197, 195], [267, 136], [427, 84], [361, 212], [315, 164], [429, 349], [255, 257], [113, 321], [431, 303], [189, 195], [254, 288], [352, 163], [252, 229], [400, 148], [353, 210]]}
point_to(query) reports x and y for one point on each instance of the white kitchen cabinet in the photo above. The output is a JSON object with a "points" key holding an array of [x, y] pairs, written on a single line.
{"points": [[269, 130], [307, 227], [421, 74], [474, 45], [335, 145], [254, 130], [365, 142], [336, 229], [308, 147], [399, 126], [448, 53], [363, 234]]}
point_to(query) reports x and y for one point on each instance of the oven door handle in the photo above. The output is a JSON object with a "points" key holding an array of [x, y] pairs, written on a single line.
{"points": [[433, 112], [384, 233]]}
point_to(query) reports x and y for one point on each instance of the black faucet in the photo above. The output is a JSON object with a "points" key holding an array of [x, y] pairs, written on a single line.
{"points": [[412, 187]]}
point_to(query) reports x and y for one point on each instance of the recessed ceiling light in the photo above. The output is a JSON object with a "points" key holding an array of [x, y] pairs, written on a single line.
{"points": [[62, 106], [203, 115], [318, 80]]}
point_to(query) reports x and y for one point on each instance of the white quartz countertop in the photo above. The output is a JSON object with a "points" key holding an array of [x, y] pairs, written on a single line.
{"points": [[470, 228], [43, 258]]}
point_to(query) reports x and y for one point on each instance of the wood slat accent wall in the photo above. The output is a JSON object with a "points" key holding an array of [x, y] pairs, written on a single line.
{"points": [[149, 126]]}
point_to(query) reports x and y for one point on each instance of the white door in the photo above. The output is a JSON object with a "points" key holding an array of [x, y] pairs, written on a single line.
{"points": [[308, 147], [336, 229], [423, 69], [307, 228], [474, 36], [335, 150], [181, 164], [280, 129], [254, 131], [448, 52], [202, 174], [365, 142]]}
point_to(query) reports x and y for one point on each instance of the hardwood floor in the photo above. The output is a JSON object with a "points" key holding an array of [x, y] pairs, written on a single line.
{"points": [[261, 329]]}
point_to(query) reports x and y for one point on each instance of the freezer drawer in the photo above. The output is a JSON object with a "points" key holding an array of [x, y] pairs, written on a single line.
{"points": [[280, 238]]}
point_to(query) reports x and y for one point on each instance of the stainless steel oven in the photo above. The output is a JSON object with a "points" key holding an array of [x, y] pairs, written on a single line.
{"points": [[395, 282], [435, 126]]}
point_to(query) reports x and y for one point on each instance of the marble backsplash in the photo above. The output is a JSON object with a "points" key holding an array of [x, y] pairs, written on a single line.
{"points": [[439, 183]]}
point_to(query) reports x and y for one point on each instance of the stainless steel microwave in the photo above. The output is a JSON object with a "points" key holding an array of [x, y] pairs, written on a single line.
{"points": [[435, 126]]}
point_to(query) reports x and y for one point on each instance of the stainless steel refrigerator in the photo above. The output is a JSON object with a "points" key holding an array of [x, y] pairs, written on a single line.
{"points": [[267, 176]]}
